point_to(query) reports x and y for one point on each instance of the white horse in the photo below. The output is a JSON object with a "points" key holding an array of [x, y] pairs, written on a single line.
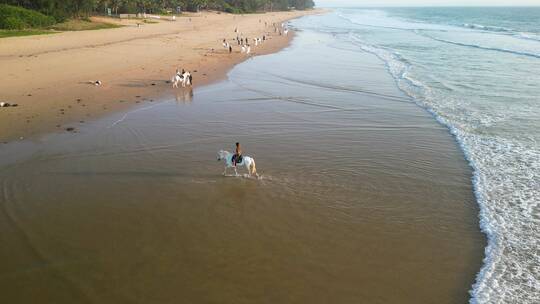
{"points": [[179, 77], [247, 161], [176, 79], [186, 79]]}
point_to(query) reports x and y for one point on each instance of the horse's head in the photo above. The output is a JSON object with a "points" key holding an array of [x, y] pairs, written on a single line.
{"points": [[220, 155]]}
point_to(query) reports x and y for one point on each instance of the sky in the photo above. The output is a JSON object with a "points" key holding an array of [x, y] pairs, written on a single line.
{"points": [[334, 3]]}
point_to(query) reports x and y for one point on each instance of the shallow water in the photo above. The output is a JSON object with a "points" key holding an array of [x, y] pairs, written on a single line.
{"points": [[364, 197]]}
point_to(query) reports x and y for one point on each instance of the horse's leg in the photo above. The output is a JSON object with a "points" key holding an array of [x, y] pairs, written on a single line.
{"points": [[248, 165], [253, 168]]}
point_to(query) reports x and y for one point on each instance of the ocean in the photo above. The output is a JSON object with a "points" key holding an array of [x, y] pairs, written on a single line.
{"points": [[477, 70]]}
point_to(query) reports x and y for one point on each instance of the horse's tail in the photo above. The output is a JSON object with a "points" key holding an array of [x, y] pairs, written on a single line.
{"points": [[253, 167]]}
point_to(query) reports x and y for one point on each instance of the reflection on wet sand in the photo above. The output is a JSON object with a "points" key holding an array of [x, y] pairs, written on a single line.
{"points": [[184, 95]]}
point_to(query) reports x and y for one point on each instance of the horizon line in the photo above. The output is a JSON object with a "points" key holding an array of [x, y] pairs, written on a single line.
{"points": [[419, 5]]}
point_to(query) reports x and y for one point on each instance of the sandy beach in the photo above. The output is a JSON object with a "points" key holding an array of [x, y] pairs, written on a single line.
{"points": [[49, 76]]}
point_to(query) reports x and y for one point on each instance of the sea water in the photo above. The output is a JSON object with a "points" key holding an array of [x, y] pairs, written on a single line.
{"points": [[477, 70]]}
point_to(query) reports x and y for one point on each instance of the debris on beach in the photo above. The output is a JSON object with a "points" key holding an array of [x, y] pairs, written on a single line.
{"points": [[7, 104], [70, 129]]}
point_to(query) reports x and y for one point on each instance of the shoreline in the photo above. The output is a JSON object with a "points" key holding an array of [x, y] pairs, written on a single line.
{"points": [[62, 96]]}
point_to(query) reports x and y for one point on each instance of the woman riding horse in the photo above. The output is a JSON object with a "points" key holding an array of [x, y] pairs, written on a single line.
{"points": [[237, 157]]}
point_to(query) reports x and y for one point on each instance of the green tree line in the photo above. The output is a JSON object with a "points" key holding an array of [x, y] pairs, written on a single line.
{"points": [[63, 9]]}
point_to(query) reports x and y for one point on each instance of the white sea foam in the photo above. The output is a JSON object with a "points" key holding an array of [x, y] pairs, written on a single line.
{"points": [[528, 36], [487, 27], [507, 187]]}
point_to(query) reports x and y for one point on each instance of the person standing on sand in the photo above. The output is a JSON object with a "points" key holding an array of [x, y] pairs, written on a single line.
{"points": [[237, 157]]}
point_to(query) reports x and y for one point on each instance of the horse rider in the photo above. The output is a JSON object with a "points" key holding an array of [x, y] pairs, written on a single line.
{"points": [[237, 157]]}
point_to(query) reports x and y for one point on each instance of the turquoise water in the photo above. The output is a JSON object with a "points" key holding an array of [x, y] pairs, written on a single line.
{"points": [[478, 71], [518, 21]]}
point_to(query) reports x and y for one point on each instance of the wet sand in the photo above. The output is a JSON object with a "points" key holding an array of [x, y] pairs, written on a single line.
{"points": [[50, 76], [364, 198]]}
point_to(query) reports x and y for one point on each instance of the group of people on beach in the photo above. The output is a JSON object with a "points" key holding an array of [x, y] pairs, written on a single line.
{"points": [[283, 30], [243, 42], [245, 47]]}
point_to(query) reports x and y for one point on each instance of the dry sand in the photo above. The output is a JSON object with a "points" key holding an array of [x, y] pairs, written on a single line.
{"points": [[49, 76]]}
